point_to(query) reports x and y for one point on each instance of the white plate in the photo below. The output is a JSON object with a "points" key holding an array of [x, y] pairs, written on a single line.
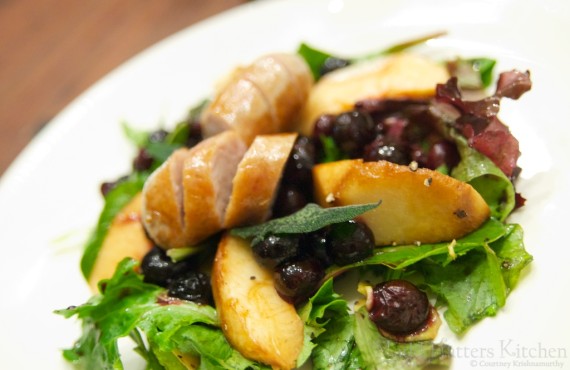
{"points": [[49, 198]]}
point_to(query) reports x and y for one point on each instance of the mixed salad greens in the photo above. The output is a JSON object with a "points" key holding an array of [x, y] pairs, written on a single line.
{"points": [[469, 278]]}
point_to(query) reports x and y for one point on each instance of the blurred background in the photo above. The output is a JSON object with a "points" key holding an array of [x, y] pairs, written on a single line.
{"points": [[52, 50]]}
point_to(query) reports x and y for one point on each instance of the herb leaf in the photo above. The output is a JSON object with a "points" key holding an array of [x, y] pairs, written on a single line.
{"points": [[311, 218], [398, 48]]}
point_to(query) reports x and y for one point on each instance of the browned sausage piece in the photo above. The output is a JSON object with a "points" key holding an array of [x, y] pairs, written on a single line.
{"points": [[207, 181], [184, 200], [262, 98], [257, 179], [302, 80], [240, 106], [162, 206]]}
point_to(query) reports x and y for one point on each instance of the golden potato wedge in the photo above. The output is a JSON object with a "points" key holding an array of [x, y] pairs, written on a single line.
{"points": [[417, 206], [397, 76], [125, 238], [254, 318]]}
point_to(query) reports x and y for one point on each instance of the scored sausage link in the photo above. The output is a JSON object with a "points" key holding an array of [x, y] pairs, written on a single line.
{"points": [[256, 182], [184, 200], [262, 98]]}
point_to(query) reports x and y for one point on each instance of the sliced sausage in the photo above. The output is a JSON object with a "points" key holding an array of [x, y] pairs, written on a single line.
{"points": [[262, 98], [257, 179], [184, 200], [207, 180], [162, 204], [242, 107]]}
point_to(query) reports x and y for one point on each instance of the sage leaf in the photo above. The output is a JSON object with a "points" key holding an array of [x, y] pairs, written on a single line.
{"points": [[311, 218]]}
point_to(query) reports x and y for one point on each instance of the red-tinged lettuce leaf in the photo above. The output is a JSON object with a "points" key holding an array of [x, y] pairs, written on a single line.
{"points": [[487, 143], [513, 84], [478, 120]]}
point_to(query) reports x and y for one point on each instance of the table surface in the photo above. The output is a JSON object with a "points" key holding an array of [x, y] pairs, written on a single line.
{"points": [[52, 50]]}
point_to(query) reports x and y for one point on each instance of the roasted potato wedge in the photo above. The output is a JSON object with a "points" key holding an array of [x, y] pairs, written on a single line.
{"points": [[417, 205], [254, 318]]}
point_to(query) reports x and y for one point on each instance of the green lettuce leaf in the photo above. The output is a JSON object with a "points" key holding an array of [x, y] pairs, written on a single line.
{"points": [[481, 173], [115, 200], [476, 285], [139, 138], [472, 288], [512, 255], [474, 73], [329, 328], [331, 151], [211, 345], [400, 257], [378, 352], [316, 58], [161, 151], [127, 306], [336, 346]]}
